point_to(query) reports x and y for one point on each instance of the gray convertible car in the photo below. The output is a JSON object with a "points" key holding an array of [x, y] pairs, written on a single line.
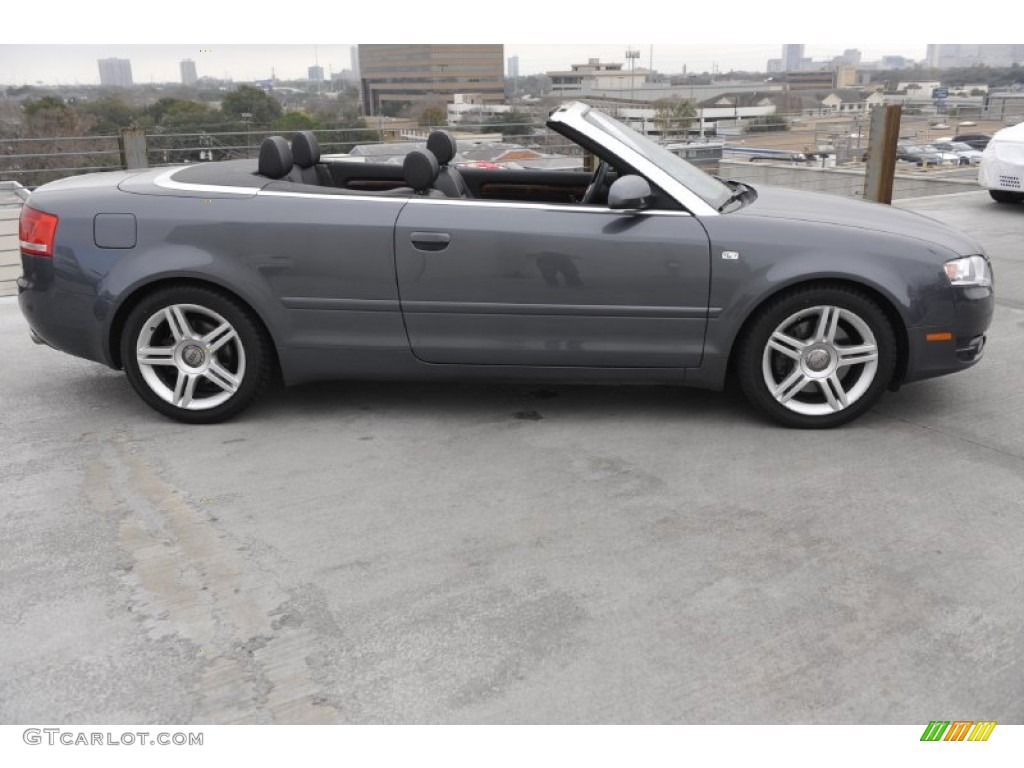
{"points": [[202, 282]]}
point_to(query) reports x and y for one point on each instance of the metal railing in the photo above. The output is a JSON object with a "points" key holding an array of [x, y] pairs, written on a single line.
{"points": [[826, 138]]}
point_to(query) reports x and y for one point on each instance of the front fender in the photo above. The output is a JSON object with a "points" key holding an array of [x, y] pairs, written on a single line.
{"points": [[907, 273]]}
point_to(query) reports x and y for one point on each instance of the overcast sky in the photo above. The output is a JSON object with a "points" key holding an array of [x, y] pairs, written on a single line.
{"points": [[547, 35], [20, 64]]}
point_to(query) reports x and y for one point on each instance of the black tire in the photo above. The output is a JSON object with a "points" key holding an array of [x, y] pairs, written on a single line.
{"points": [[203, 369], [1002, 196], [791, 368]]}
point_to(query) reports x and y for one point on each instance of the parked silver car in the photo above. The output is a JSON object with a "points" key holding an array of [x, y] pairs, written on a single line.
{"points": [[968, 155]]}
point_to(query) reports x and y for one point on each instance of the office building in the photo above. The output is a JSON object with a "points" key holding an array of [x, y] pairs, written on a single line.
{"points": [[513, 67], [315, 74], [596, 75], [116, 72], [395, 78], [792, 58], [188, 72]]}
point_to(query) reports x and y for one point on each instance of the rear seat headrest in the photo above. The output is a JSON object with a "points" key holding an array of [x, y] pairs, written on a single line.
{"points": [[275, 157], [443, 145], [305, 149], [420, 169]]}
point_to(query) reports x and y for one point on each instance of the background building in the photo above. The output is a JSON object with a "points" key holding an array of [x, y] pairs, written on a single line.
{"points": [[413, 77], [596, 75], [188, 72], [116, 72], [792, 57], [513, 66], [315, 74], [990, 54]]}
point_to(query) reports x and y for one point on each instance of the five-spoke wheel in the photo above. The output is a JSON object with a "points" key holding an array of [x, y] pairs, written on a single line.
{"points": [[817, 357], [194, 354]]}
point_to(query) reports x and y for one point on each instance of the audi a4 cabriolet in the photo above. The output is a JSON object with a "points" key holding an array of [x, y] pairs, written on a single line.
{"points": [[202, 282]]}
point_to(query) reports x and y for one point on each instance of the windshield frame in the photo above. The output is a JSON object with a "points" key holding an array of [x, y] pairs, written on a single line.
{"points": [[662, 167]]}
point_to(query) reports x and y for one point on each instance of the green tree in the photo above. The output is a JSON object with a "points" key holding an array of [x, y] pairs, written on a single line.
{"points": [[108, 114], [432, 116], [514, 123], [295, 121], [47, 106], [245, 99], [673, 116]]}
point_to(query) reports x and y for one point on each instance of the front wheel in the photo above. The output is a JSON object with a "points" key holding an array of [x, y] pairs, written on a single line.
{"points": [[817, 357], [195, 354]]}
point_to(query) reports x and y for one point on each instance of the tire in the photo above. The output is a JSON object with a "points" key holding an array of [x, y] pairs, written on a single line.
{"points": [[817, 357], [195, 354], [1002, 196]]}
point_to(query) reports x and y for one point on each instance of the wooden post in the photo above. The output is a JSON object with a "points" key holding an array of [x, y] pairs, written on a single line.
{"points": [[881, 165], [133, 148]]}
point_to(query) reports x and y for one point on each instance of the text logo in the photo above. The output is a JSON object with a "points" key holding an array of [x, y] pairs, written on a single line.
{"points": [[958, 730]]}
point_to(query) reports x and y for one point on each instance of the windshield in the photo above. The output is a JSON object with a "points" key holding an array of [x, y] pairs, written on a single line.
{"points": [[708, 188]]}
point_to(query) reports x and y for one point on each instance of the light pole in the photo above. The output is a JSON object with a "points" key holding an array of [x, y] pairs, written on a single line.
{"points": [[632, 55], [247, 116]]}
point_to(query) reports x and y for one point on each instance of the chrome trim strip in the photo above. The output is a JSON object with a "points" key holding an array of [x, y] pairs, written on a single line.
{"points": [[539, 206], [579, 310], [314, 195], [351, 305], [166, 181]]}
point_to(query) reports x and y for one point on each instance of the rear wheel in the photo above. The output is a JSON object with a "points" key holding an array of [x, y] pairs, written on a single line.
{"points": [[817, 357], [1002, 196], [195, 354]]}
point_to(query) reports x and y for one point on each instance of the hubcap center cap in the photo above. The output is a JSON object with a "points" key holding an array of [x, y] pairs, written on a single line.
{"points": [[818, 359], [193, 355]]}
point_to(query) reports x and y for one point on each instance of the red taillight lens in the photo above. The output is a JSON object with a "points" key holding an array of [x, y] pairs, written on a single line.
{"points": [[36, 231]]}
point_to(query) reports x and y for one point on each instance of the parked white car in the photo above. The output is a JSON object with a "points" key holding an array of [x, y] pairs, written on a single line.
{"points": [[1001, 171]]}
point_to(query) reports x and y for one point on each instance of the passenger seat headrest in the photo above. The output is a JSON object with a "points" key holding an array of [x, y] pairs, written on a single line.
{"points": [[442, 144], [420, 170], [275, 157], [305, 149]]}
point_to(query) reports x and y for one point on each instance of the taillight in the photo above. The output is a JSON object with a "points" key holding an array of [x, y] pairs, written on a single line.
{"points": [[36, 231]]}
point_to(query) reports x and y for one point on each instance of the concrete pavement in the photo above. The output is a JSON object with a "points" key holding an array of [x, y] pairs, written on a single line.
{"points": [[410, 553]]}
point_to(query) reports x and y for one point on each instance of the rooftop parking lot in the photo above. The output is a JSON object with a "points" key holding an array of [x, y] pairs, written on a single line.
{"points": [[361, 552]]}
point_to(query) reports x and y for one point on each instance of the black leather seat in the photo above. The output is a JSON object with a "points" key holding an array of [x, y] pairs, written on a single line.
{"points": [[442, 145], [275, 158], [420, 170], [306, 154]]}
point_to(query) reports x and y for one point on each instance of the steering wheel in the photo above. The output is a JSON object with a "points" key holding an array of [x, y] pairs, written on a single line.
{"points": [[600, 174]]}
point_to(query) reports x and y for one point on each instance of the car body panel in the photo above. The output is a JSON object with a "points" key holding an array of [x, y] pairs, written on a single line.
{"points": [[515, 284]]}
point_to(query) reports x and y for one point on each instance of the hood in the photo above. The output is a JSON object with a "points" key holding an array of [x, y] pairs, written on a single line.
{"points": [[796, 205]]}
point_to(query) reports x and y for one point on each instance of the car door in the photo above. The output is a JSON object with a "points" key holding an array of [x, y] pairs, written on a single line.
{"points": [[506, 283]]}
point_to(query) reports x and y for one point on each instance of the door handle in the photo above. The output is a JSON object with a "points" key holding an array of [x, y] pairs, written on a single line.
{"points": [[430, 241]]}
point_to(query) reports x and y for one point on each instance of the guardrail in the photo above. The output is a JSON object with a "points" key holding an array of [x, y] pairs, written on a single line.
{"points": [[839, 139]]}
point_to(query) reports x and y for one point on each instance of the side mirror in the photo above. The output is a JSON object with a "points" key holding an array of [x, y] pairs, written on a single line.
{"points": [[629, 193]]}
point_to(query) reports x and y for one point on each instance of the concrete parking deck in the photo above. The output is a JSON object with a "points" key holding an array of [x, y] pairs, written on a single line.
{"points": [[428, 553]]}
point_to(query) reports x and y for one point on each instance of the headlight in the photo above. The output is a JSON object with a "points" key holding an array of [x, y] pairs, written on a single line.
{"points": [[970, 270]]}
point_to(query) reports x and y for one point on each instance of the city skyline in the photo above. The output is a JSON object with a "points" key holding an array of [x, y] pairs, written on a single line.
{"points": [[77, 64]]}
